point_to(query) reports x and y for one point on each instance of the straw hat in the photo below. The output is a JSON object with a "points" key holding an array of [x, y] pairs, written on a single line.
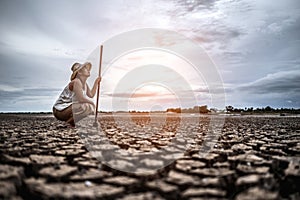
{"points": [[77, 66]]}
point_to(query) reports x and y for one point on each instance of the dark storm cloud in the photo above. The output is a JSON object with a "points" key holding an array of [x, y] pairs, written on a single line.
{"points": [[282, 83], [204, 22], [191, 6], [270, 44]]}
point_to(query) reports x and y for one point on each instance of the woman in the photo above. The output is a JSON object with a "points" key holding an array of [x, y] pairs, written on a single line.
{"points": [[74, 100]]}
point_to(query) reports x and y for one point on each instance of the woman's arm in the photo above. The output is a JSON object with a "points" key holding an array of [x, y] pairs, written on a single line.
{"points": [[77, 88], [91, 93]]}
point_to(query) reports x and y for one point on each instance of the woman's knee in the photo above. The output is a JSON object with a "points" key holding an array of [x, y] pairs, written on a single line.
{"points": [[83, 109], [89, 109]]}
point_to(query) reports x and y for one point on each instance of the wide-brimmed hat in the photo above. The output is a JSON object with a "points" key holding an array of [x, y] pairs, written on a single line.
{"points": [[77, 66]]}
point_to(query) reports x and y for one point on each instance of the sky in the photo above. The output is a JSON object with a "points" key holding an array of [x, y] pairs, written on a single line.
{"points": [[254, 45]]}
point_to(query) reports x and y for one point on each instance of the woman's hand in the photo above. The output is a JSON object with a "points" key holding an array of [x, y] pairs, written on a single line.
{"points": [[98, 80]]}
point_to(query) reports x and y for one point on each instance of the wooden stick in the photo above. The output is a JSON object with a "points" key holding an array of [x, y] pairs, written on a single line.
{"points": [[98, 89]]}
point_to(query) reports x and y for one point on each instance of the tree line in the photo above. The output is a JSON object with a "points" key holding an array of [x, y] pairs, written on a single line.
{"points": [[230, 109], [267, 109]]}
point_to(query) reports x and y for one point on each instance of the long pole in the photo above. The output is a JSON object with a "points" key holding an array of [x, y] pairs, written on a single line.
{"points": [[98, 89]]}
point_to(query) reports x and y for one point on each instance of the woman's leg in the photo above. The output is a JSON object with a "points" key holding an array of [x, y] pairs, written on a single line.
{"points": [[64, 115], [82, 110]]}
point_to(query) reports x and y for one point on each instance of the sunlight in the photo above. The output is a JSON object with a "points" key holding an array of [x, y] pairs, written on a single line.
{"points": [[151, 95]]}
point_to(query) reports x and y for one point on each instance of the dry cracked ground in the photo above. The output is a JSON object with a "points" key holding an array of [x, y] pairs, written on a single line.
{"points": [[253, 158]]}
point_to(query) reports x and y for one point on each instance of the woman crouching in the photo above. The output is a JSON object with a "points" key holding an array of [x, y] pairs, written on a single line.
{"points": [[74, 101]]}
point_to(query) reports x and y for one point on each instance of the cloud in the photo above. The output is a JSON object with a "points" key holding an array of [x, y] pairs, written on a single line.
{"points": [[21, 71], [280, 82], [280, 89], [31, 99], [206, 23], [131, 95], [192, 6], [8, 88], [18, 93], [186, 96], [246, 39]]}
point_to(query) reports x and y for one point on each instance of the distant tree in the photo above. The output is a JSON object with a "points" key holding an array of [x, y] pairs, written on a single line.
{"points": [[196, 109], [268, 109], [237, 110], [203, 109], [176, 110], [229, 108]]}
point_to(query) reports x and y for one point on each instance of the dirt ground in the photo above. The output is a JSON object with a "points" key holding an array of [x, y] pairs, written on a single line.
{"points": [[253, 158]]}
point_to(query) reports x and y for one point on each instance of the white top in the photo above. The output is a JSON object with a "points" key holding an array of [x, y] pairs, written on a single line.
{"points": [[66, 98]]}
